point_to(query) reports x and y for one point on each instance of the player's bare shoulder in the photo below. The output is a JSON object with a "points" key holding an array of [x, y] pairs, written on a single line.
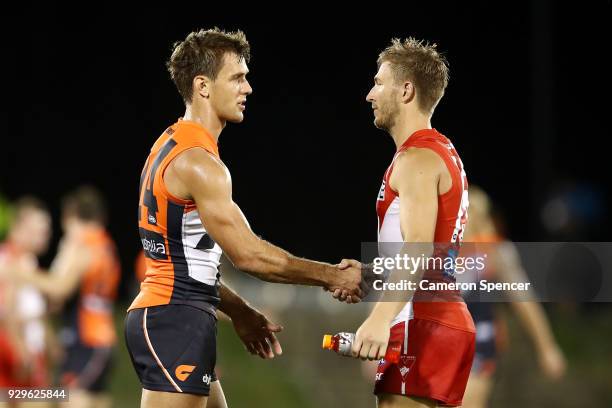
{"points": [[194, 171], [416, 163]]}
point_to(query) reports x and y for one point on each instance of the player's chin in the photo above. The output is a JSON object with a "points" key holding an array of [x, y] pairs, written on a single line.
{"points": [[236, 118]]}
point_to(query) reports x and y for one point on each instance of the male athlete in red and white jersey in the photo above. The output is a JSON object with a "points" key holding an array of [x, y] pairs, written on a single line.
{"points": [[23, 309], [503, 265], [423, 200]]}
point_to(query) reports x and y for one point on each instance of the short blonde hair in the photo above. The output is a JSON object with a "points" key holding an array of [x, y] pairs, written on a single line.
{"points": [[420, 63]]}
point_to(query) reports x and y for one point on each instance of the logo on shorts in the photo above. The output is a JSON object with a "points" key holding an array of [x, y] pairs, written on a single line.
{"points": [[405, 364], [183, 372], [206, 379]]}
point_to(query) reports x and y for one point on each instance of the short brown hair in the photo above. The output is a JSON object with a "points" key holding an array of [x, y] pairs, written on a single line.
{"points": [[422, 64], [86, 203], [201, 53]]}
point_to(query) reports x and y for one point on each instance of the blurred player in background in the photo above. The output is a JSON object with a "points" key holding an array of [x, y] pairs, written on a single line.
{"points": [[140, 267], [84, 276], [187, 217], [24, 329], [504, 265], [423, 199]]}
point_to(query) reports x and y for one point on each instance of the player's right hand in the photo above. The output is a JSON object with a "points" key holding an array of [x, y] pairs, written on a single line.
{"points": [[351, 291]]}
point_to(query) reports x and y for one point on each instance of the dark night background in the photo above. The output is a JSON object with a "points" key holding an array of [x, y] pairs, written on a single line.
{"points": [[86, 95]]}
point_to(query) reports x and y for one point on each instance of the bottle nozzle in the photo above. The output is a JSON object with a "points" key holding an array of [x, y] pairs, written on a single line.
{"points": [[327, 341]]}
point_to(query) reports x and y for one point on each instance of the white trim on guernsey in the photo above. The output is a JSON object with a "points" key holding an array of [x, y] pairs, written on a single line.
{"points": [[202, 265]]}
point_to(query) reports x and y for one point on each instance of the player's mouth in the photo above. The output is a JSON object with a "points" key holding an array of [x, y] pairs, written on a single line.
{"points": [[242, 105]]}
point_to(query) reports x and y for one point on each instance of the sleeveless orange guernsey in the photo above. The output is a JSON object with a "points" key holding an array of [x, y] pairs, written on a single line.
{"points": [[98, 291], [182, 260]]}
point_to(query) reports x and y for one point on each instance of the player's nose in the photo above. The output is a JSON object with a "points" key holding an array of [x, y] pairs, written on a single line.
{"points": [[248, 89], [370, 97]]}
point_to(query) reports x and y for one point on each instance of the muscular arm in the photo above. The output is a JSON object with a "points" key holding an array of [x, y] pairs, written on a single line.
{"points": [[415, 177], [254, 329], [197, 175]]}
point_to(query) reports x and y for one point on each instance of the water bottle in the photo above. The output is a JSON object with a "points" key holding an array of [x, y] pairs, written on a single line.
{"points": [[342, 342]]}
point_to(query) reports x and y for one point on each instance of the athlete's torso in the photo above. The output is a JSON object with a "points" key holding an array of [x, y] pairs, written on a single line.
{"points": [[450, 224], [30, 305], [182, 260], [90, 312]]}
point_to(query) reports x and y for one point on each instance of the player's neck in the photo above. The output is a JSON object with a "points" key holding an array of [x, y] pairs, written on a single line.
{"points": [[407, 123], [90, 227], [205, 116]]}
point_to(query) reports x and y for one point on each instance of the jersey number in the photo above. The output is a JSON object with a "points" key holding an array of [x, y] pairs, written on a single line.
{"points": [[149, 200]]}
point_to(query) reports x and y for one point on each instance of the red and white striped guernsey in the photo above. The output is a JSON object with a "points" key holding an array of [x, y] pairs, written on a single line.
{"points": [[450, 224]]}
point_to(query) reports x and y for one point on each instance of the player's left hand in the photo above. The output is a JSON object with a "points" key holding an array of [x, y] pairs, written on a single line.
{"points": [[552, 361], [257, 334], [371, 340]]}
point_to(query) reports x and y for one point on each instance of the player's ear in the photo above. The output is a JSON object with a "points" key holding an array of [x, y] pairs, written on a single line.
{"points": [[408, 92], [201, 86]]}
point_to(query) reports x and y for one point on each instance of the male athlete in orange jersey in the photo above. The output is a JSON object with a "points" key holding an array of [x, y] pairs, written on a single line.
{"points": [[423, 200], [503, 265], [84, 274], [186, 218]]}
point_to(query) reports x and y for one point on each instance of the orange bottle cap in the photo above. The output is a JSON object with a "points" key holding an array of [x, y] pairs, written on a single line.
{"points": [[327, 341]]}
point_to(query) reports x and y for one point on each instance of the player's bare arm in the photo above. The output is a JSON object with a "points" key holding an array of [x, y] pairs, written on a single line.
{"points": [[530, 313], [197, 175], [253, 328], [65, 272], [418, 176]]}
